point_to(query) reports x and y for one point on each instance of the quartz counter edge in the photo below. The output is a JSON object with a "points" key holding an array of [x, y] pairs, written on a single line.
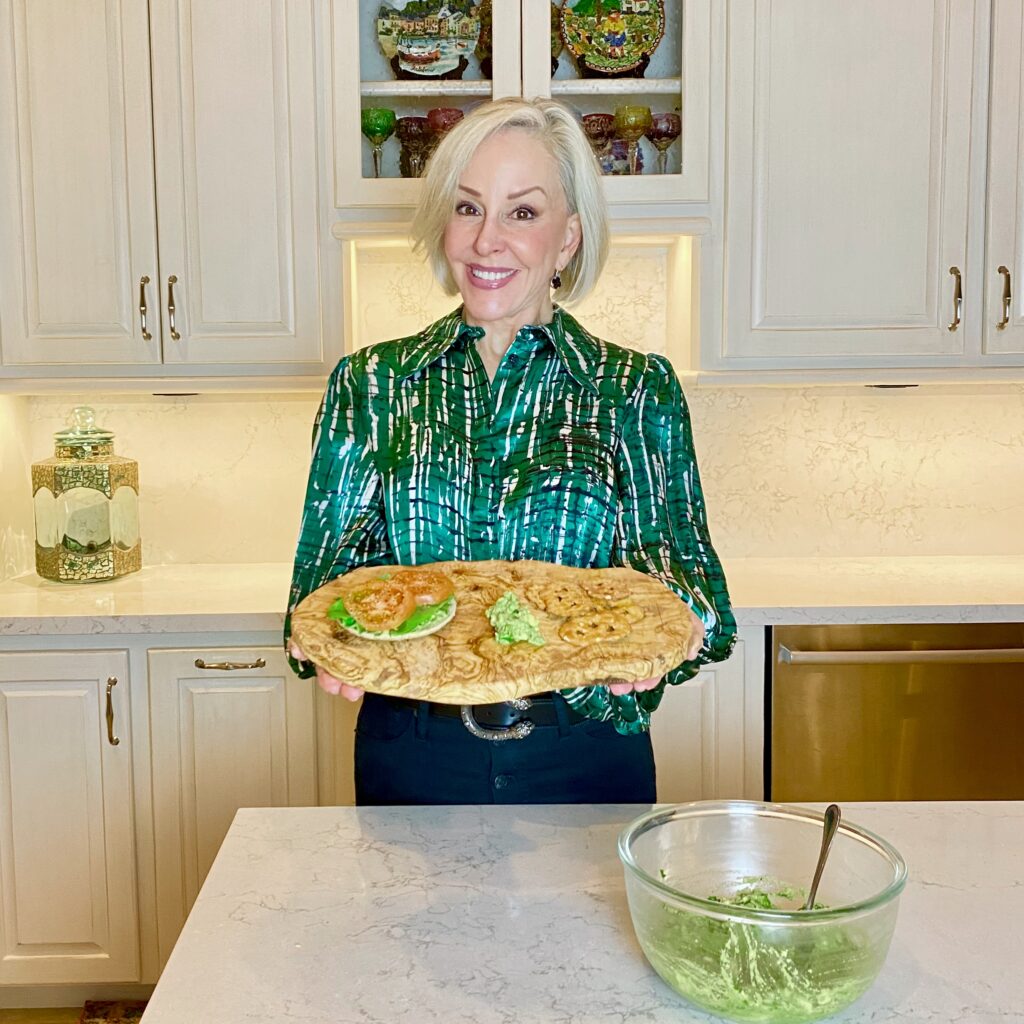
{"points": [[214, 598]]}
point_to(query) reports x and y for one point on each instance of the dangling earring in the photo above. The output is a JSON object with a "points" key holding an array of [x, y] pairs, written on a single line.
{"points": [[556, 281]]}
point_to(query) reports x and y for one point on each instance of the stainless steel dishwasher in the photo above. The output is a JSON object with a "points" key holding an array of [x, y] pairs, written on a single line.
{"points": [[896, 713]]}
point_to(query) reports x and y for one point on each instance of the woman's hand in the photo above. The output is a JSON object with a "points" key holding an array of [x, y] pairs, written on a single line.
{"points": [[325, 680], [644, 684], [692, 650]]}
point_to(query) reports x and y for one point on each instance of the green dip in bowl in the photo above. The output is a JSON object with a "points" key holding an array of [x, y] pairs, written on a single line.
{"points": [[713, 887]]}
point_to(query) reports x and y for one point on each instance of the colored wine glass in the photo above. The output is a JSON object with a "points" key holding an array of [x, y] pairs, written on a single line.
{"points": [[664, 130], [630, 124], [599, 130], [441, 120], [414, 135], [378, 125]]}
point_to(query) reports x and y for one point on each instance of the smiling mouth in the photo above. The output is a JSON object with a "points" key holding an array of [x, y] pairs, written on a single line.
{"points": [[483, 275]]}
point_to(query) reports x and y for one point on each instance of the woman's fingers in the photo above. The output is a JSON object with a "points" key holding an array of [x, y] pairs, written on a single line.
{"points": [[644, 684], [336, 687], [324, 679]]}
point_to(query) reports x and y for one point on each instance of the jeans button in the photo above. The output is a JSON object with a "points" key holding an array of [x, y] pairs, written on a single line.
{"points": [[502, 781]]}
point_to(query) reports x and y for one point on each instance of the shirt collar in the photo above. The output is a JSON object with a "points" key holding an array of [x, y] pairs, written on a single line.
{"points": [[578, 351]]}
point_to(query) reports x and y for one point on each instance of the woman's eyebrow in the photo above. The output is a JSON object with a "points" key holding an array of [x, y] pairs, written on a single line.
{"points": [[511, 195]]}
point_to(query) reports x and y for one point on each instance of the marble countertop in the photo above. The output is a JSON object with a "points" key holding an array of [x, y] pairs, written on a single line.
{"points": [[765, 591], [495, 915]]}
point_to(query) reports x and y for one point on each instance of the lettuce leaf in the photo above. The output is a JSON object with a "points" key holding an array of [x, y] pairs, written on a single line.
{"points": [[424, 615]]}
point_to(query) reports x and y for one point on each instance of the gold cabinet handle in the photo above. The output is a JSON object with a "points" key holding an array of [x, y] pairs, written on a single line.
{"points": [[230, 666], [143, 281], [1007, 299], [958, 298], [111, 738], [171, 282]]}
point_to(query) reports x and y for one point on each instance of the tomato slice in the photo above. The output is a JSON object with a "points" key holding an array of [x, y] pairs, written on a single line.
{"points": [[429, 586], [379, 605]]}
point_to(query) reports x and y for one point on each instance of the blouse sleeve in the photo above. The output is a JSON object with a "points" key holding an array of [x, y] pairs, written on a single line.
{"points": [[661, 525], [343, 524]]}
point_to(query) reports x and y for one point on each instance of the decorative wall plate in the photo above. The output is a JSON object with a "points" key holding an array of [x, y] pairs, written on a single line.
{"points": [[427, 38], [612, 36], [598, 625]]}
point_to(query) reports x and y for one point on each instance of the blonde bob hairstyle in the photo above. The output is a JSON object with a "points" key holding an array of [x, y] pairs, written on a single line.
{"points": [[557, 128]]}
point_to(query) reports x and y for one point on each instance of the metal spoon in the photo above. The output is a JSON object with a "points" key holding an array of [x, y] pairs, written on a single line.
{"points": [[832, 816]]}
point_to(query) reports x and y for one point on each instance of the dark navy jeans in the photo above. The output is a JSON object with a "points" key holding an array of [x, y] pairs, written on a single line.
{"points": [[407, 756]]}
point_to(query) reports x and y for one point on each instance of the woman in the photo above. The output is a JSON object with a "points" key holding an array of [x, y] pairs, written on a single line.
{"points": [[505, 430]]}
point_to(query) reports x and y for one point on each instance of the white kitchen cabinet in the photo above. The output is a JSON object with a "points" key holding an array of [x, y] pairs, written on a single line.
{"points": [[678, 79], [77, 205], [850, 191], [67, 849], [1003, 330], [708, 732], [201, 118], [230, 728]]}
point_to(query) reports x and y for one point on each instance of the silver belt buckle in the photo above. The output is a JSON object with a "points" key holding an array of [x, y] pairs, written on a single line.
{"points": [[517, 731]]}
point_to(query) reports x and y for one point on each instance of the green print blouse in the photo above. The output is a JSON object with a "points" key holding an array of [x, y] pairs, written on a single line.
{"points": [[578, 452]]}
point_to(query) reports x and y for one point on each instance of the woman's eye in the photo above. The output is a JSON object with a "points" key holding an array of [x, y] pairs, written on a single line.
{"points": [[523, 213], [466, 209]]}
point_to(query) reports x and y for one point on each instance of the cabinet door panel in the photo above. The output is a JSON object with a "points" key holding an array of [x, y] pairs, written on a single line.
{"points": [[77, 204], [235, 117], [1006, 182], [698, 735], [221, 739], [849, 130], [67, 881]]}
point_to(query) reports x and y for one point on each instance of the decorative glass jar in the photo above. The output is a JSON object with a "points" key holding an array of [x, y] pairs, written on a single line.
{"points": [[86, 506]]}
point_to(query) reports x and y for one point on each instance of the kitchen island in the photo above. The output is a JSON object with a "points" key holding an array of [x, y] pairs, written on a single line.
{"points": [[516, 915]]}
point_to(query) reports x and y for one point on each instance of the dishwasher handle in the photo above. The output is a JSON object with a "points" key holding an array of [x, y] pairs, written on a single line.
{"points": [[991, 655]]}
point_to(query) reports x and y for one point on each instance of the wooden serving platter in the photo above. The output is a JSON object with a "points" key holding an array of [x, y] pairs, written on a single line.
{"points": [[599, 626]]}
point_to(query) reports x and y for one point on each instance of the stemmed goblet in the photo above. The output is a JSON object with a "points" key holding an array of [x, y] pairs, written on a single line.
{"points": [[630, 124], [599, 129], [442, 120], [665, 129], [414, 135], [378, 124]]}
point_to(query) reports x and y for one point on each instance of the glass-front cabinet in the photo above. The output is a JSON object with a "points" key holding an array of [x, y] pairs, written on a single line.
{"points": [[636, 72]]}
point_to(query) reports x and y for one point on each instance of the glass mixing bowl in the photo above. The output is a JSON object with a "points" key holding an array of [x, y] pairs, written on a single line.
{"points": [[762, 960]]}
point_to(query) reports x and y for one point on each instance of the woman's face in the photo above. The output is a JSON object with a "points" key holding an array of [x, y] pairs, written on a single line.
{"points": [[510, 231]]}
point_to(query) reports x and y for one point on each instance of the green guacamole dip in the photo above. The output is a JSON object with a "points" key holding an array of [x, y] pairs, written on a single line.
{"points": [[755, 972], [513, 621]]}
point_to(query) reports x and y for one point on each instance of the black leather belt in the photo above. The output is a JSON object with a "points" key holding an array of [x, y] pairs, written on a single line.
{"points": [[541, 711]]}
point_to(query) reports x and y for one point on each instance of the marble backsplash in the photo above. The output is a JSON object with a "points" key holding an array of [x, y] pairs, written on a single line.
{"points": [[786, 471]]}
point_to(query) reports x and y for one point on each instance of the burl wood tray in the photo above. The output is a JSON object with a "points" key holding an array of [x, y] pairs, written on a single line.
{"points": [[599, 626]]}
